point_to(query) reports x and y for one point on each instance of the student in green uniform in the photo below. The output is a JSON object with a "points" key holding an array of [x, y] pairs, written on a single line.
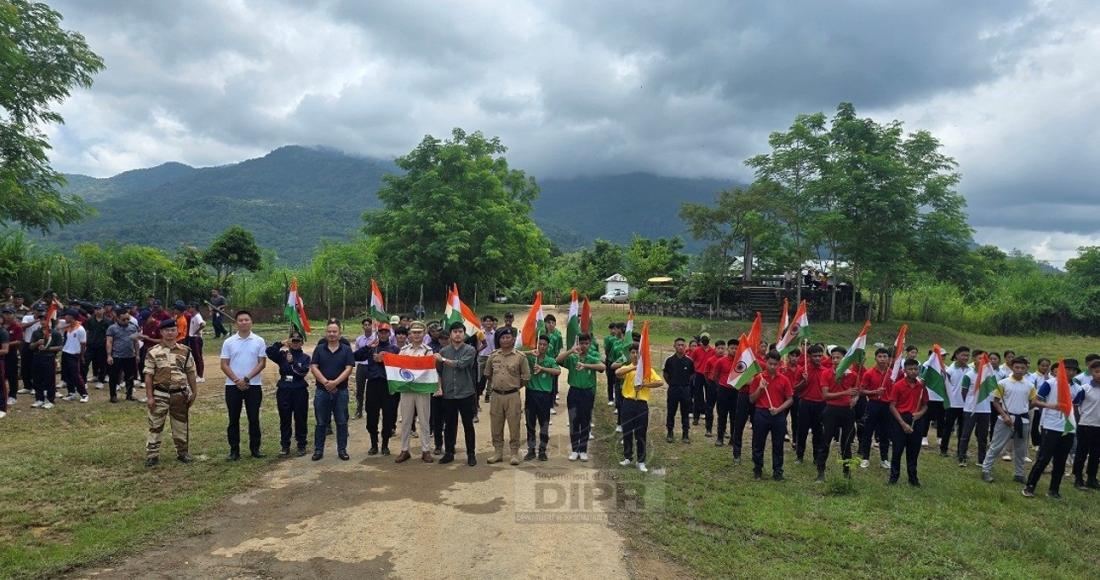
{"points": [[540, 398], [555, 347], [583, 363], [612, 345]]}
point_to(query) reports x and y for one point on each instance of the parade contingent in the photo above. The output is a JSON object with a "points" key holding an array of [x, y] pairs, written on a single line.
{"points": [[428, 378]]}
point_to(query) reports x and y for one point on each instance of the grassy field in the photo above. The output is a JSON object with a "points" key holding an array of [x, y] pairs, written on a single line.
{"points": [[714, 520], [75, 491]]}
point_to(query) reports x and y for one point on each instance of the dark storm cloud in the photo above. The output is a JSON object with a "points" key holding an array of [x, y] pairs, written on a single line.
{"points": [[602, 87]]}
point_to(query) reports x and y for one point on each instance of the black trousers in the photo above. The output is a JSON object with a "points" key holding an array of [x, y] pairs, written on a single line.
{"points": [[27, 373], [11, 371], [796, 408], [70, 373], [741, 415], [764, 424], [611, 380], [909, 444], [579, 402], [934, 413], [437, 422], [378, 402], [1036, 427], [465, 407], [635, 426], [837, 420], [293, 404], [978, 425], [678, 398], [1054, 447], [124, 369], [1088, 452], [809, 421], [250, 399], [952, 420], [727, 405], [219, 327], [96, 358], [360, 388], [698, 396], [877, 422], [710, 394], [554, 390], [43, 371], [536, 411]]}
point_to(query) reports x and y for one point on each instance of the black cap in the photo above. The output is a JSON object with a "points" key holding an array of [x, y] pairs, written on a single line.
{"points": [[505, 332], [40, 307], [1071, 363], [7, 310], [109, 303], [157, 302], [97, 306], [180, 305], [69, 312], [170, 323]]}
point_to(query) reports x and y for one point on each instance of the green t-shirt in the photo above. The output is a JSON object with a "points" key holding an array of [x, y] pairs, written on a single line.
{"points": [[541, 381], [556, 343], [585, 379], [613, 347]]}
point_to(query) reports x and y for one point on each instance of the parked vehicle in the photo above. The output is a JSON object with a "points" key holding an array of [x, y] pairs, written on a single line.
{"points": [[615, 297]]}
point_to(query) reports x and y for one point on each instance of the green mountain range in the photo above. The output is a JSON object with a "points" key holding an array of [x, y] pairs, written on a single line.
{"points": [[294, 197]]}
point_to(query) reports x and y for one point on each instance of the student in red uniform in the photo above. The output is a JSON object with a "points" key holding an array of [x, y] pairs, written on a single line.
{"points": [[771, 394], [908, 403], [876, 417], [744, 410], [710, 393], [839, 418], [793, 371], [725, 396], [700, 357], [817, 376]]}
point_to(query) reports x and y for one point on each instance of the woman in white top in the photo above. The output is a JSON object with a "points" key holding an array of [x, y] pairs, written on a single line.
{"points": [[1088, 432]]}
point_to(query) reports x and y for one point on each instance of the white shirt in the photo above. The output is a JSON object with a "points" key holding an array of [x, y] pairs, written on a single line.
{"points": [[194, 326], [955, 376], [972, 404], [74, 340], [1051, 418], [243, 354], [1015, 396], [1090, 407]]}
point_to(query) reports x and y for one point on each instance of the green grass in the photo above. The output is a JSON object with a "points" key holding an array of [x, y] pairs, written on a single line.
{"points": [[714, 520], [75, 491]]}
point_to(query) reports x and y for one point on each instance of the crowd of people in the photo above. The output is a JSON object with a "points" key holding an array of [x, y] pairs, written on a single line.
{"points": [[882, 404]]}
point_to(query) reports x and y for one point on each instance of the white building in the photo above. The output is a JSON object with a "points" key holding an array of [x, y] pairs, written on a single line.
{"points": [[617, 282]]}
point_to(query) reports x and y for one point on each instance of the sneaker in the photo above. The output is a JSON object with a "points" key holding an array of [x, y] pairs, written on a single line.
{"points": [[3, 414], [84, 399], [574, 456], [47, 405], [530, 455], [514, 460], [719, 443], [987, 477], [757, 475], [200, 380], [553, 411], [708, 434], [685, 440], [543, 456], [23, 391], [98, 386], [72, 397], [864, 464], [1006, 457], [923, 442], [1080, 484], [1054, 495], [1028, 492], [1019, 479], [642, 467], [591, 435], [885, 464], [584, 457], [618, 428], [962, 463], [11, 400], [37, 404], [669, 438], [1027, 460], [611, 403], [820, 478], [626, 462]]}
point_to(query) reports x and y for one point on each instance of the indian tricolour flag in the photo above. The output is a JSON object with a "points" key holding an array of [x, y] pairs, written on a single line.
{"points": [[457, 311], [745, 365], [377, 306], [784, 320], [986, 380], [798, 330], [533, 326], [629, 325], [295, 310], [856, 355], [410, 374], [645, 358], [573, 325], [899, 353], [933, 374], [1065, 400]]}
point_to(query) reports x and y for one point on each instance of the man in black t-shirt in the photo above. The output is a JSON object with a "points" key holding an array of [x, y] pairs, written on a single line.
{"points": [[678, 373]]}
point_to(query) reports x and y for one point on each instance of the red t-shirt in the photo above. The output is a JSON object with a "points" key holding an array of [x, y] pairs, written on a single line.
{"points": [[720, 370], [793, 374], [817, 378], [701, 356], [874, 379], [907, 398], [777, 391], [847, 382], [15, 332]]}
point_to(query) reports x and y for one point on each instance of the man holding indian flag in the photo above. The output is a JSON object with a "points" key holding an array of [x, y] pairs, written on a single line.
{"points": [[413, 373]]}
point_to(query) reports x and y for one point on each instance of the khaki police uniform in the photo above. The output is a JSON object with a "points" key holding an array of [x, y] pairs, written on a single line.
{"points": [[171, 369]]}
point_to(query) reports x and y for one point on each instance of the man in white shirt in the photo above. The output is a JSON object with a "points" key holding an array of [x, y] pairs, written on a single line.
{"points": [[195, 324], [76, 342], [1088, 432], [1012, 400], [415, 406], [1056, 441], [243, 358]]}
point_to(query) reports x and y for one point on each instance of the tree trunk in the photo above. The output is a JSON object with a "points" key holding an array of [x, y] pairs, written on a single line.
{"points": [[855, 293], [746, 271], [832, 297]]}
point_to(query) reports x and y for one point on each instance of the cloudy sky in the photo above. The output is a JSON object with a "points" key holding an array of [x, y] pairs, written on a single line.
{"points": [[689, 89]]}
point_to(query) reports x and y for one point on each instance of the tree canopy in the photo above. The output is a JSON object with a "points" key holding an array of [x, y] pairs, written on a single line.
{"points": [[40, 63]]}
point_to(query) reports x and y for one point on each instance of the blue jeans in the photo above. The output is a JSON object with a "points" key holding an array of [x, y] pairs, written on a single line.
{"points": [[328, 406]]}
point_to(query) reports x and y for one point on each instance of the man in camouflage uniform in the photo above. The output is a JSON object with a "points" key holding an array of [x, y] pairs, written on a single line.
{"points": [[170, 391]]}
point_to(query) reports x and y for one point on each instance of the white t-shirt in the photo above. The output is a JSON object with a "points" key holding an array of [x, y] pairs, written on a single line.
{"points": [[1090, 407], [243, 354], [972, 404], [1015, 396], [1051, 418], [954, 385], [194, 326], [74, 340]]}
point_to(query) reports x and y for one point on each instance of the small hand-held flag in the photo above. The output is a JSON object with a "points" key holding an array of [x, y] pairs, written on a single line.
{"points": [[533, 326], [573, 324], [799, 329], [1065, 400], [856, 355], [295, 310], [645, 365], [586, 317], [784, 320], [933, 375], [899, 353], [377, 306]]}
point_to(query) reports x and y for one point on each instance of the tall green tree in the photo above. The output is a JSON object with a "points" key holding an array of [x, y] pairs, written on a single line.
{"points": [[459, 214], [233, 250], [39, 64], [646, 258], [733, 226]]}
